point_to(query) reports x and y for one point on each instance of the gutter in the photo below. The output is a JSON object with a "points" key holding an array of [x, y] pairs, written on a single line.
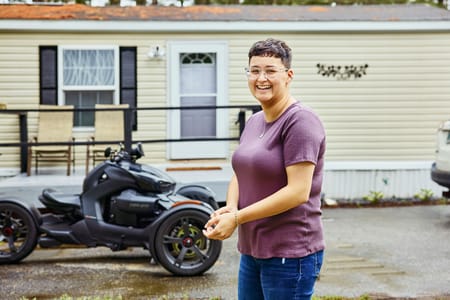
{"points": [[221, 26]]}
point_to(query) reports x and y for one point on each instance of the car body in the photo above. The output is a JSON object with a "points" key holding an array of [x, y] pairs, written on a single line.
{"points": [[440, 169]]}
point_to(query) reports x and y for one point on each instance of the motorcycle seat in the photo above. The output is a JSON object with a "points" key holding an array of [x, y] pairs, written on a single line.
{"points": [[59, 201]]}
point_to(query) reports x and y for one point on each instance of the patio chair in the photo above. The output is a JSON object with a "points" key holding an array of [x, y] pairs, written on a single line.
{"points": [[109, 126], [53, 127]]}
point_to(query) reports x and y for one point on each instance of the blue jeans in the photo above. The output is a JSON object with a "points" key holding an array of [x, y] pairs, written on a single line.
{"points": [[278, 278]]}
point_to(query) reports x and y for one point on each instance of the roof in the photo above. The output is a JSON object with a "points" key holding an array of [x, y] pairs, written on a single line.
{"points": [[223, 18], [226, 13]]}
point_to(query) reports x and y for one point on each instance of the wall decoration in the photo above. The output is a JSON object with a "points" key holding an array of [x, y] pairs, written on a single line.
{"points": [[342, 73]]}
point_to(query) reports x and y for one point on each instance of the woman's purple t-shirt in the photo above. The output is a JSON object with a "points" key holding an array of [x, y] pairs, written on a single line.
{"points": [[260, 162]]}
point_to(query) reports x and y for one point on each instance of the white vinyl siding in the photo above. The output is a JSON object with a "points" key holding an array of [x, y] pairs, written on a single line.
{"points": [[391, 113]]}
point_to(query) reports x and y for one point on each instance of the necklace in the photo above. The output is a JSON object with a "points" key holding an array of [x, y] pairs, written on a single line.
{"points": [[287, 103], [264, 130]]}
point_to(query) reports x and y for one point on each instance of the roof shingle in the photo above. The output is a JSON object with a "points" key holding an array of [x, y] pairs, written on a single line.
{"points": [[225, 13]]}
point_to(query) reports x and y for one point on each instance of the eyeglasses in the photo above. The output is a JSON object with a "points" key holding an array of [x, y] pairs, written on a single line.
{"points": [[270, 73]]}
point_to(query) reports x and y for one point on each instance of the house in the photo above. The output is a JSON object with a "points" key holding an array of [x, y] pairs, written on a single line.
{"points": [[379, 77]]}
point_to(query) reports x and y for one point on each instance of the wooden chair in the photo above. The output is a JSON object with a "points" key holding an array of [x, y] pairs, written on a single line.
{"points": [[109, 126], [53, 126]]}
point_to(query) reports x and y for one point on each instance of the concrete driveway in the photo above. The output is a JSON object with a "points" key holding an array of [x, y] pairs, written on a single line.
{"points": [[385, 252], [401, 252]]}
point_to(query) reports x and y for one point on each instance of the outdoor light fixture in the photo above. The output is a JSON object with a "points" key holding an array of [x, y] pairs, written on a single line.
{"points": [[156, 52], [342, 73]]}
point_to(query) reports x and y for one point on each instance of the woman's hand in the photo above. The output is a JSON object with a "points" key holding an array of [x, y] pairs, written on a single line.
{"points": [[222, 224], [223, 221]]}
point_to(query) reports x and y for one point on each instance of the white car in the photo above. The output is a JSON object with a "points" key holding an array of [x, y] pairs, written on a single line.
{"points": [[176, 3], [440, 169]]}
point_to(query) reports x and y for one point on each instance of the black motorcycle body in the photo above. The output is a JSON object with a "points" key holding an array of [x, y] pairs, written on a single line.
{"points": [[122, 204]]}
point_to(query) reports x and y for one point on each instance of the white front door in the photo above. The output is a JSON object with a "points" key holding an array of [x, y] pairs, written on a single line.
{"points": [[197, 76]]}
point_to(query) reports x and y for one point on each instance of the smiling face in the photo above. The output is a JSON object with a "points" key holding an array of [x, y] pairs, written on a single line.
{"points": [[269, 79]]}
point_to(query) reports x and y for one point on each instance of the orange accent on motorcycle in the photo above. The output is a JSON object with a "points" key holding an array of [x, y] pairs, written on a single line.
{"points": [[197, 202]]}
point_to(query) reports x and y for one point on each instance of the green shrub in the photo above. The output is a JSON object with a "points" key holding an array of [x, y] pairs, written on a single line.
{"points": [[374, 196], [424, 195]]}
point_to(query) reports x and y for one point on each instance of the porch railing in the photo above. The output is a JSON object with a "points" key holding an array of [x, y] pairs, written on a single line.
{"points": [[24, 142]]}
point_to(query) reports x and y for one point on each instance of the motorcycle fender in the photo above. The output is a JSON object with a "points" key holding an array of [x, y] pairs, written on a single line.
{"points": [[34, 212], [152, 229], [199, 192], [195, 188]]}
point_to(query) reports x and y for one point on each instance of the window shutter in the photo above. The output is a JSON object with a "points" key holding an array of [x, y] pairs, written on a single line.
{"points": [[128, 81], [48, 75]]}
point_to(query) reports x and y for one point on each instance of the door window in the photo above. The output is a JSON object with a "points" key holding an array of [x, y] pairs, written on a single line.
{"points": [[198, 88]]}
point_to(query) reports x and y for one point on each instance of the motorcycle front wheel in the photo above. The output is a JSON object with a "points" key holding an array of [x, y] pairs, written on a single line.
{"points": [[180, 246], [18, 233]]}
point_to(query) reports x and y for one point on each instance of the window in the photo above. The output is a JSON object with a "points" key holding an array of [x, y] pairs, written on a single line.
{"points": [[89, 77]]}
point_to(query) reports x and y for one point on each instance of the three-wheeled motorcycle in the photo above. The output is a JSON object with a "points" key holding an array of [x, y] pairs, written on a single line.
{"points": [[122, 204]]}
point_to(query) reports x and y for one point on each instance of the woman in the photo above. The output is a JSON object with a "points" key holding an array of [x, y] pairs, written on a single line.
{"points": [[274, 194]]}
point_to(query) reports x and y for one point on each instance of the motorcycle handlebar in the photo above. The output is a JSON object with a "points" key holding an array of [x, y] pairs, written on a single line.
{"points": [[121, 154]]}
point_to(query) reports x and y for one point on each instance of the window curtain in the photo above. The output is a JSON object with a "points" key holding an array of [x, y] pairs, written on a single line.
{"points": [[88, 67]]}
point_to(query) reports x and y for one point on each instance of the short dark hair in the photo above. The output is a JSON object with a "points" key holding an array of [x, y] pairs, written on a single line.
{"points": [[272, 47]]}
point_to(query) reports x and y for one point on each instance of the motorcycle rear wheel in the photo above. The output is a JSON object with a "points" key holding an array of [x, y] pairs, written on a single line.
{"points": [[18, 233], [180, 246]]}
